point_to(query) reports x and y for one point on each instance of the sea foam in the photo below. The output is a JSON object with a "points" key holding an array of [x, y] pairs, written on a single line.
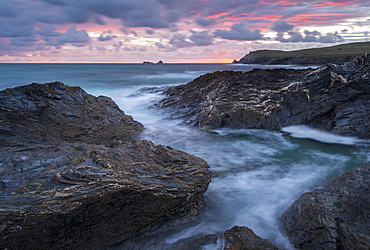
{"points": [[301, 131]]}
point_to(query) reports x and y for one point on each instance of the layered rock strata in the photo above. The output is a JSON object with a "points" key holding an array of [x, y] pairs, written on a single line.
{"points": [[334, 217], [74, 177], [334, 98]]}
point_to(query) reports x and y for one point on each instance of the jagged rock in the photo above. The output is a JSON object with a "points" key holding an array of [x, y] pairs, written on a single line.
{"points": [[332, 98], [74, 177], [334, 217]]}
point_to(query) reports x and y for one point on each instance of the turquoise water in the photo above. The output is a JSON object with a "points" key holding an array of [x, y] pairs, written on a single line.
{"points": [[257, 174]]}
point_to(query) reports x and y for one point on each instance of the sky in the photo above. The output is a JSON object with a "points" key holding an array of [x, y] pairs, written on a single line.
{"points": [[174, 31]]}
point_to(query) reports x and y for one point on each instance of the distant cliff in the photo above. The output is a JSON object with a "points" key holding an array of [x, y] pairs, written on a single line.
{"points": [[318, 56]]}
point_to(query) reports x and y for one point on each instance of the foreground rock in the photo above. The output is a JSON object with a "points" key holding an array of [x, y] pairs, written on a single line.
{"points": [[334, 217], [332, 98], [235, 238], [74, 177]]}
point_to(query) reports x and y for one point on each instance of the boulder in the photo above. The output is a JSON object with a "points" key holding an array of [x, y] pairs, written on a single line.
{"points": [[244, 238], [235, 238], [334, 217], [74, 176], [333, 98]]}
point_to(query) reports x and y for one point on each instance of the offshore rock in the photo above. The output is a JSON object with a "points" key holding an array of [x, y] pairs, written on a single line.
{"points": [[74, 177], [334, 217], [334, 98]]}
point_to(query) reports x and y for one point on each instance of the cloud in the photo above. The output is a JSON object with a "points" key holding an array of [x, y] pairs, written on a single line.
{"points": [[22, 41], [295, 37], [106, 37], [239, 32], [201, 38], [16, 27], [138, 13], [286, 34], [180, 41], [205, 21], [149, 32], [7, 9], [283, 26], [330, 38], [48, 31], [74, 36]]}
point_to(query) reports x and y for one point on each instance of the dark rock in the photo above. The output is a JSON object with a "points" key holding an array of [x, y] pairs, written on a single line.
{"points": [[332, 98], [55, 112], [334, 217], [236, 238], [74, 177], [244, 238]]}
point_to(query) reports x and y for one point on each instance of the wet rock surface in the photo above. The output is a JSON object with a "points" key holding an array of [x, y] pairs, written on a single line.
{"points": [[333, 98], [73, 176], [334, 217]]}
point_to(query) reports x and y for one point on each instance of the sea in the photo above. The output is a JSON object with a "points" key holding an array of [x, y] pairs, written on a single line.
{"points": [[257, 173]]}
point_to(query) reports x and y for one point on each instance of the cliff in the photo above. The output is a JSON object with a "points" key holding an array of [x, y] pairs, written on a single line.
{"points": [[338, 54]]}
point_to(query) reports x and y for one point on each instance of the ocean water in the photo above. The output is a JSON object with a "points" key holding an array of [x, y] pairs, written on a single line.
{"points": [[257, 174]]}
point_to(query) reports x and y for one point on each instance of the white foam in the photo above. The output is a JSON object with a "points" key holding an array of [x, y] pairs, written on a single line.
{"points": [[301, 131]]}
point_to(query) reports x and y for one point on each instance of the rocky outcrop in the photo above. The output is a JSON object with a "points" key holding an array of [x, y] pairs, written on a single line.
{"points": [[334, 98], [73, 176], [334, 217]]}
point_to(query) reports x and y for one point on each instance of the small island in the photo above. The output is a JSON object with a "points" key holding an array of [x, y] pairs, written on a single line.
{"points": [[147, 62]]}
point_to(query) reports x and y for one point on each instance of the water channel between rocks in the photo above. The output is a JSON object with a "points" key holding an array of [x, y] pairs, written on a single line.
{"points": [[257, 174]]}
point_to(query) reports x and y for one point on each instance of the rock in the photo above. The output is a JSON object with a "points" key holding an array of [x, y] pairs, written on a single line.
{"points": [[244, 238], [332, 98], [236, 238], [73, 176], [334, 217], [55, 112]]}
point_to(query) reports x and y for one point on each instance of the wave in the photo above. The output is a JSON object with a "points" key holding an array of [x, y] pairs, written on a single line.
{"points": [[301, 131], [183, 75]]}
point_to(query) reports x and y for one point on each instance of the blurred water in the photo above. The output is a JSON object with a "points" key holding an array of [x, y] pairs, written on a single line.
{"points": [[257, 174]]}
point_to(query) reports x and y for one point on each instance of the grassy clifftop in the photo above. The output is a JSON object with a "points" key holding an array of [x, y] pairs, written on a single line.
{"points": [[338, 53]]}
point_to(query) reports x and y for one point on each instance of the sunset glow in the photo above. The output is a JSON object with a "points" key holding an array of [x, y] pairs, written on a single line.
{"points": [[172, 31]]}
